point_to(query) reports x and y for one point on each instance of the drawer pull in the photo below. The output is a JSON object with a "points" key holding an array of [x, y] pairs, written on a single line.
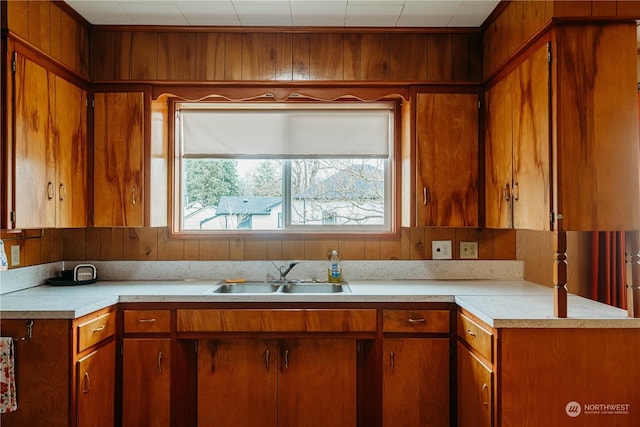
{"points": [[99, 329], [159, 362], [471, 333], [420, 320], [267, 353], [150, 320]]}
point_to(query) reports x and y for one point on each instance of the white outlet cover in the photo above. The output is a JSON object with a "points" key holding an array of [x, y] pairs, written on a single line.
{"points": [[15, 255], [441, 249], [468, 250]]}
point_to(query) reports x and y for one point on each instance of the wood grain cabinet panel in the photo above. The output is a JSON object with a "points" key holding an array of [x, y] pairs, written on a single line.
{"points": [[95, 387], [144, 55], [258, 56], [417, 321], [517, 141], [96, 330], [475, 390], [118, 159], [597, 130], [284, 383], [49, 177], [374, 56], [415, 382], [71, 154], [146, 382], [147, 321], [447, 159], [34, 192], [209, 56]]}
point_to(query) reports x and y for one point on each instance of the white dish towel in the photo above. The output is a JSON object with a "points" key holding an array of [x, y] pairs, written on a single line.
{"points": [[8, 402]]}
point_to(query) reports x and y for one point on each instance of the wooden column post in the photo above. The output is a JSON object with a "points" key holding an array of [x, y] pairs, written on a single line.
{"points": [[560, 275], [632, 260]]}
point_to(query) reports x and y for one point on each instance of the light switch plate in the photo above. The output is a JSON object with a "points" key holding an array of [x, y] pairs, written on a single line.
{"points": [[468, 250], [15, 255], [441, 249]]}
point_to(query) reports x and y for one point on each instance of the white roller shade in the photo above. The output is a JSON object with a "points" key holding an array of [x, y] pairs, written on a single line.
{"points": [[286, 133]]}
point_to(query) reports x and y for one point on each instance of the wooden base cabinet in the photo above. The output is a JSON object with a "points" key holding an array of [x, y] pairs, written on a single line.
{"points": [[531, 377], [284, 383], [65, 371], [95, 377], [146, 380], [475, 390], [415, 382]]}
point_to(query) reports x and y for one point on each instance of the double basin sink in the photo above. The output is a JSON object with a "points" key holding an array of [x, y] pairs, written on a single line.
{"points": [[283, 287]]}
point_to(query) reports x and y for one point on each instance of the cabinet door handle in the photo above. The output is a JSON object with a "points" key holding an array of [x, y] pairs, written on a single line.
{"points": [[160, 362], [99, 329], [150, 320], [62, 192], [516, 191], [506, 192], [50, 192], [392, 360], [286, 358], [419, 320], [133, 195], [87, 383], [485, 390], [469, 332], [425, 194], [267, 355]]}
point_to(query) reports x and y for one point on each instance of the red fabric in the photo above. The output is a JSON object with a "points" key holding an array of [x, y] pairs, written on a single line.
{"points": [[608, 280]]}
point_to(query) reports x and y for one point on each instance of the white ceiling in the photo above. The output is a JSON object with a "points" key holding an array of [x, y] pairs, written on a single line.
{"points": [[284, 13]]}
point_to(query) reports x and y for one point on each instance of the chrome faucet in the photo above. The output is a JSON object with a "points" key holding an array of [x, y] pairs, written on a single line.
{"points": [[284, 270]]}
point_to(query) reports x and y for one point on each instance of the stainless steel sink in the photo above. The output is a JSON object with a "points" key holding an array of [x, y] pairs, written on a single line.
{"points": [[314, 288], [246, 288], [288, 287]]}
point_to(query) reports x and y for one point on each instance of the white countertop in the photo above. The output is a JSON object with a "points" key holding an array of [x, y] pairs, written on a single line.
{"points": [[499, 303]]}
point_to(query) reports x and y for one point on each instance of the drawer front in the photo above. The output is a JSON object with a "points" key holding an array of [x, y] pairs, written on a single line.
{"points": [[478, 338], [95, 330], [418, 321], [242, 320], [142, 321]]}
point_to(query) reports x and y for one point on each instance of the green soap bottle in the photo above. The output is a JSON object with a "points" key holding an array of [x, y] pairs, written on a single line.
{"points": [[334, 272]]}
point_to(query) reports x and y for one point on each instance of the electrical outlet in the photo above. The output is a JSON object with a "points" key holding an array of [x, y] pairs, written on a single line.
{"points": [[15, 255], [441, 249], [468, 250]]}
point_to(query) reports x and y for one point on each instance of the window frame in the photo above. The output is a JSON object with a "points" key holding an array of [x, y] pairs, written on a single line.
{"points": [[392, 182]]}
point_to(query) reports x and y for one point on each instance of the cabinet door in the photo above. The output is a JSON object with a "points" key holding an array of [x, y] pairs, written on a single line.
{"points": [[447, 159], [118, 159], [146, 382], [34, 191], [317, 383], [531, 160], [415, 382], [71, 158], [475, 390], [237, 382], [498, 154], [95, 387]]}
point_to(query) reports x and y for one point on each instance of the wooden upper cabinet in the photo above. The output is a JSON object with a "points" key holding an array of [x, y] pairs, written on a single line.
{"points": [[517, 141], [531, 158], [71, 148], [34, 179], [119, 146], [597, 133], [498, 154], [447, 159], [176, 56]]}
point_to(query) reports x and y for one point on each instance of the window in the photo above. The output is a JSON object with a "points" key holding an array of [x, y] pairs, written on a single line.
{"points": [[287, 167]]}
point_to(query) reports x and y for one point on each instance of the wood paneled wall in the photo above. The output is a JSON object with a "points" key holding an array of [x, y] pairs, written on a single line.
{"points": [[520, 20], [269, 55], [151, 244], [39, 246], [51, 29]]}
